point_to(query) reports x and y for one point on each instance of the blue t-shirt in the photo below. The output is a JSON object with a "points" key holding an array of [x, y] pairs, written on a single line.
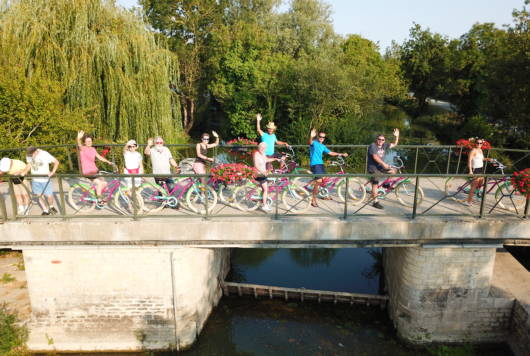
{"points": [[316, 150], [270, 140]]}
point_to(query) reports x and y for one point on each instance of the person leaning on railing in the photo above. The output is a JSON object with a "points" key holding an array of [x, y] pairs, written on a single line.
{"points": [[39, 162], [87, 158], [161, 160], [316, 163], [15, 167], [376, 165]]}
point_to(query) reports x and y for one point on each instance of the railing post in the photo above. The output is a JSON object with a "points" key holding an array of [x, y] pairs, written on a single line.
{"points": [[448, 161], [526, 207], [62, 208], [415, 205], [205, 192], [14, 205], [133, 199], [3, 209], [416, 160], [69, 156], [276, 203], [366, 161], [483, 200], [346, 198]]}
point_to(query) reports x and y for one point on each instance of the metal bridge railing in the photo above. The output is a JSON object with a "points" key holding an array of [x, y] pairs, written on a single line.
{"points": [[341, 196]]}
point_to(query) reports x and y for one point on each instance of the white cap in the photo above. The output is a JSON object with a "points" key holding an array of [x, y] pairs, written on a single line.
{"points": [[131, 142], [5, 164]]}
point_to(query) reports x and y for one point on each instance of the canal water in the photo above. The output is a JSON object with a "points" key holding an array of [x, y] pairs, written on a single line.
{"points": [[245, 326]]}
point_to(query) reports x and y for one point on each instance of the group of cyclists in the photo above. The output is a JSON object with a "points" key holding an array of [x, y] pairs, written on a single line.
{"points": [[38, 161]]}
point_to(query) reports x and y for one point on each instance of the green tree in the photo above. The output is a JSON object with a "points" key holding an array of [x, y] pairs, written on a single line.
{"points": [[32, 112], [425, 60], [103, 57]]}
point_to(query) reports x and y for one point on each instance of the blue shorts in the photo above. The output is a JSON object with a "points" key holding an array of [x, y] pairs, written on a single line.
{"points": [[44, 188], [318, 169]]}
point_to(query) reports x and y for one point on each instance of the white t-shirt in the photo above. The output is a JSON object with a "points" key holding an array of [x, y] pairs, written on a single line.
{"points": [[160, 160], [40, 164], [133, 160]]}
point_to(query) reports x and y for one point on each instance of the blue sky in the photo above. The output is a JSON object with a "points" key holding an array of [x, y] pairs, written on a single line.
{"points": [[384, 21]]}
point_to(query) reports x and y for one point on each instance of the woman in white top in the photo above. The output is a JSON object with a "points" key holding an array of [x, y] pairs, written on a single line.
{"points": [[260, 163], [475, 164], [133, 163]]}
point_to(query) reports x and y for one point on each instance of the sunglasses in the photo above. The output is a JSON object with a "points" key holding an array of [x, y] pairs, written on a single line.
{"points": [[380, 139], [480, 143], [321, 136], [159, 142], [132, 146], [205, 138]]}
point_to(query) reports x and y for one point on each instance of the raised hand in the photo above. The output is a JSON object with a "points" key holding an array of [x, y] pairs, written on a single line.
{"points": [[80, 134], [215, 134], [396, 132], [149, 141], [313, 133], [259, 117]]}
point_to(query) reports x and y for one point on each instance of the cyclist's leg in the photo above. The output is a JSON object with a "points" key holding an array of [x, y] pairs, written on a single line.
{"points": [[100, 185]]}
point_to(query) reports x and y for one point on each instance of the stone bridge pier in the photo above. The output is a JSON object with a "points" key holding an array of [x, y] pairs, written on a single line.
{"points": [[446, 295], [121, 299]]}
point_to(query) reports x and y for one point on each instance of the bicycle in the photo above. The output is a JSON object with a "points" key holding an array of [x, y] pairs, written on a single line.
{"points": [[188, 189], [294, 198], [457, 188], [336, 185], [82, 197], [403, 187]]}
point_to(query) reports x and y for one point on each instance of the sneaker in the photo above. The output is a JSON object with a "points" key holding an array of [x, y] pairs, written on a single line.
{"points": [[53, 210], [266, 208], [21, 210], [378, 205], [45, 213]]}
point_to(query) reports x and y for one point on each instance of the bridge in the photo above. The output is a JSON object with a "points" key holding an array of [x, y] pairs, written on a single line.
{"points": [[126, 278]]}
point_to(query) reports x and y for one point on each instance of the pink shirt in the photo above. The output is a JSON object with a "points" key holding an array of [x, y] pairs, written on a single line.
{"points": [[87, 157]]}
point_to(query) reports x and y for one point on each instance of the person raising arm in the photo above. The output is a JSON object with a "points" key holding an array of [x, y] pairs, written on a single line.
{"points": [[270, 139], [316, 150]]}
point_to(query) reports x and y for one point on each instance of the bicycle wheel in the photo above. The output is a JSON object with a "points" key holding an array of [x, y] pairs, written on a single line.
{"points": [[196, 198], [247, 197], [511, 200], [457, 188], [405, 193], [124, 203], [296, 199], [302, 181], [152, 196], [82, 197], [356, 191], [226, 193]]}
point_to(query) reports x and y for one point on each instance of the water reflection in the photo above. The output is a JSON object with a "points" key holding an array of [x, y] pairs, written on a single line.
{"points": [[343, 270]]}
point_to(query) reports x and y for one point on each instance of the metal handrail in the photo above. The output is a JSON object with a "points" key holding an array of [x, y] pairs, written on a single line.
{"points": [[342, 213]]}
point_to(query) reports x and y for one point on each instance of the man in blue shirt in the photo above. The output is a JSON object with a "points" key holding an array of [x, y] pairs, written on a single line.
{"points": [[270, 139], [316, 150]]}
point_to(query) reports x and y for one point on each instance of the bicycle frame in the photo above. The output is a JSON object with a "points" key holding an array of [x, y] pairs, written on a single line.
{"points": [[108, 191]]}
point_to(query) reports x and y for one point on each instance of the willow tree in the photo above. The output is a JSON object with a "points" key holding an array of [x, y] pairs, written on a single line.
{"points": [[109, 64]]}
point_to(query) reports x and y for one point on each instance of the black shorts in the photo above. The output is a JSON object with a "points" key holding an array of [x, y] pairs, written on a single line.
{"points": [[17, 180], [275, 155], [377, 171], [261, 180], [478, 170]]}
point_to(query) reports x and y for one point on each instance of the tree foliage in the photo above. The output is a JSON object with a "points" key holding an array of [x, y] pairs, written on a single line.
{"points": [[102, 59]]}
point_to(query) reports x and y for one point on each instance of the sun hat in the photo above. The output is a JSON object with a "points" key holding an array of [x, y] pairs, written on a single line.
{"points": [[131, 142], [271, 125], [5, 164]]}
